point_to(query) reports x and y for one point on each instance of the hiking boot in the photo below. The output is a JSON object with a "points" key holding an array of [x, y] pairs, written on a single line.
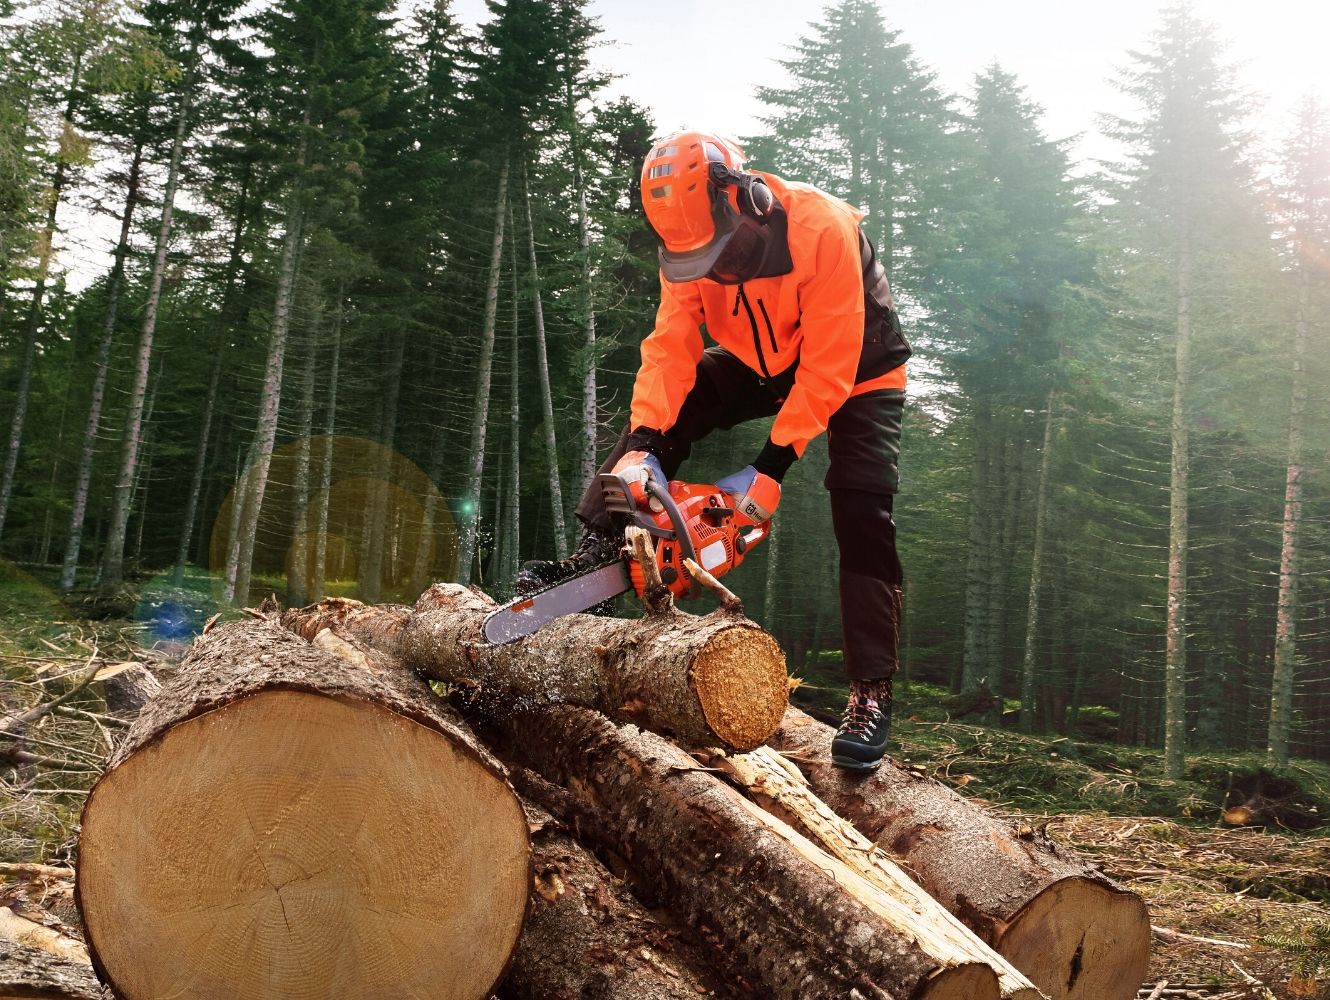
{"points": [[865, 728], [597, 548]]}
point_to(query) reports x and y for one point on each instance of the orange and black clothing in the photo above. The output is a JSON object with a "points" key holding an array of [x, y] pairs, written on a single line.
{"points": [[820, 349]]}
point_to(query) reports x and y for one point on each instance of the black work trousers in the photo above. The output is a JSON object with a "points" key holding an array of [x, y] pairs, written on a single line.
{"points": [[864, 444]]}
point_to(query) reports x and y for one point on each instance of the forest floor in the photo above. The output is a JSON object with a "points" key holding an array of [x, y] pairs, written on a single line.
{"points": [[1261, 896]]}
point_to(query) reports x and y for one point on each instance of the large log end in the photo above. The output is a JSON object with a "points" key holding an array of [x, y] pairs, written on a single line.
{"points": [[1080, 940], [285, 822]]}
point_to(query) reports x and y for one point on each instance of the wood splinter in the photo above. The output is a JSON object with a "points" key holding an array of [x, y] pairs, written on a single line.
{"points": [[730, 602], [656, 597]]}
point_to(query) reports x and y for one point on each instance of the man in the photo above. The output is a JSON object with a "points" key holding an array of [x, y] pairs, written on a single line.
{"points": [[779, 275]]}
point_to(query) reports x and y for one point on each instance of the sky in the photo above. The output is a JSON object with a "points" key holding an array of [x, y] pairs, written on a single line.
{"points": [[697, 63]]}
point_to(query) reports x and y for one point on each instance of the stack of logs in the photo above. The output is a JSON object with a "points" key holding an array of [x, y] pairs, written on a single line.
{"points": [[627, 810]]}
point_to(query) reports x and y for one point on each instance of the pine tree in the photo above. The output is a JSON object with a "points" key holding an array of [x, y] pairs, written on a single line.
{"points": [[1306, 216], [1182, 198]]}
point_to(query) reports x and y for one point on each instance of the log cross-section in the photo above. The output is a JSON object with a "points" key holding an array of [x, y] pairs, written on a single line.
{"points": [[295, 820]]}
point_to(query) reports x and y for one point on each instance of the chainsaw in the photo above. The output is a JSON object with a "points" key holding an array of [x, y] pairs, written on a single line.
{"points": [[685, 521]]}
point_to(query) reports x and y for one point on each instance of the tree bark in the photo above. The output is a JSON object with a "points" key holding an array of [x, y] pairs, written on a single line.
{"points": [[101, 366], [1175, 663], [794, 921], [31, 973], [470, 511], [1029, 664], [543, 374], [716, 679], [300, 819], [1073, 932], [587, 938], [113, 555]]}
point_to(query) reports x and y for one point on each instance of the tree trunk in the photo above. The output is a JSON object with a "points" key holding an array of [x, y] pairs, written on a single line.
{"points": [[297, 579], [1286, 623], [113, 556], [1073, 932], [299, 819], [214, 381], [716, 679], [1175, 666], [590, 404], [513, 514], [323, 497], [255, 479], [470, 510], [46, 250], [101, 366], [543, 373], [371, 569], [794, 921], [974, 669], [1029, 662]]}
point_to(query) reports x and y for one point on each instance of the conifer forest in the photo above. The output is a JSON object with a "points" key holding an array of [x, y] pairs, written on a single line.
{"points": [[316, 313], [373, 305]]}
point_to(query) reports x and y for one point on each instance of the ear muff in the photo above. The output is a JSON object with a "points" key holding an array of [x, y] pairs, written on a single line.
{"points": [[754, 197]]}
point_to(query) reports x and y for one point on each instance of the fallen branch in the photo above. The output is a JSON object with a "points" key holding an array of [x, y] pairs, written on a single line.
{"points": [[1170, 936]]}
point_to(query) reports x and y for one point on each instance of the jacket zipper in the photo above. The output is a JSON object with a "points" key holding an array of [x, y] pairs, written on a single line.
{"points": [[771, 334], [742, 297]]}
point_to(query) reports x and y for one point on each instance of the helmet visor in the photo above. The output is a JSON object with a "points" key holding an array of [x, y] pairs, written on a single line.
{"points": [[690, 265]]}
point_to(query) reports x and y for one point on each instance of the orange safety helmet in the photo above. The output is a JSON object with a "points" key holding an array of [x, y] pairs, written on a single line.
{"points": [[686, 182]]}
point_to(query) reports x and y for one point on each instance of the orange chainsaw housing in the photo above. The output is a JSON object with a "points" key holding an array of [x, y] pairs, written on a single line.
{"points": [[710, 518]]}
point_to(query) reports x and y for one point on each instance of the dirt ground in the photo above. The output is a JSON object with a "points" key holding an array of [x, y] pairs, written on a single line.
{"points": [[1233, 886]]}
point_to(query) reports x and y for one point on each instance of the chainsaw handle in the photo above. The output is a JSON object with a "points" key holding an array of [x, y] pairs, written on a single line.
{"points": [[760, 533], [662, 493]]}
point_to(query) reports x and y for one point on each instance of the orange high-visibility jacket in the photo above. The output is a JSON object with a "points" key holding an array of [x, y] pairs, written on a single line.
{"points": [[813, 315]]}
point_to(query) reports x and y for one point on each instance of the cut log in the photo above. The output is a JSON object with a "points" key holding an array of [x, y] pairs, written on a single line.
{"points": [[28, 973], [587, 938], [709, 680], [293, 820], [779, 787], [794, 921], [1075, 933]]}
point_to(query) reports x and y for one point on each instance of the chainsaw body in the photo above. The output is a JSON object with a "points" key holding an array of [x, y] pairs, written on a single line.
{"points": [[686, 520]]}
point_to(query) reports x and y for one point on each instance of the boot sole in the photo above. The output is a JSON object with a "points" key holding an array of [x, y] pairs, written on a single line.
{"points": [[851, 764]]}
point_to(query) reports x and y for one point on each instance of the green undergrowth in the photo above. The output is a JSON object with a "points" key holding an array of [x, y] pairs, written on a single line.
{"points": [[1053, 774]]}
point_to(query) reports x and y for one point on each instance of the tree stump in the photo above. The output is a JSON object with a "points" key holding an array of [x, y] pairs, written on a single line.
{"points": [[288, 819]]}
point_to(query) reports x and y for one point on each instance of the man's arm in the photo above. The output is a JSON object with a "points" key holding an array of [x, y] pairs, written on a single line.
{"points": [[670, 355]]}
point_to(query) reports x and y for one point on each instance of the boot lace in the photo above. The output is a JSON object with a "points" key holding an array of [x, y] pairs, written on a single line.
{"points": [[859, 717]]}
